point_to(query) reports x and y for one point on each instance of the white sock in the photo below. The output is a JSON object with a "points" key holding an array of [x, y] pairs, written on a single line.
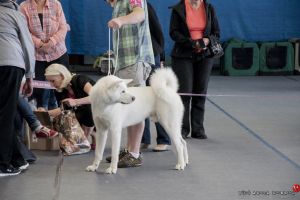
{"points": [[135, 155]]}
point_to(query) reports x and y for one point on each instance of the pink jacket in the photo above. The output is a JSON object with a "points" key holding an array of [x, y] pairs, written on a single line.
{"points": [[54, 28]]}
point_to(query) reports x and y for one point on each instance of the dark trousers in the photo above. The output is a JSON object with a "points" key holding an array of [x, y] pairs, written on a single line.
{"points": [[162, 136], [193, 77], [10, 80], [45, 97]]}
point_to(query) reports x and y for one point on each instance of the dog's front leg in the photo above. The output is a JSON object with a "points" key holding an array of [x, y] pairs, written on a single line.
{"points": [[115, 149], [101, 137]]}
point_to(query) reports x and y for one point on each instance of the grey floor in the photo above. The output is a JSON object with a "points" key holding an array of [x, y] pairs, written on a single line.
{"points": [[253, 145]]}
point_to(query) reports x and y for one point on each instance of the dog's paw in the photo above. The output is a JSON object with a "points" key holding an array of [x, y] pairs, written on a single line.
{"points": [[179, 167], [110, 170], [91, 168]]}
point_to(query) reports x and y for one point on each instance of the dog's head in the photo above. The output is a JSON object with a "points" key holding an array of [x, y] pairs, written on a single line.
{"points": [[116, 91]]}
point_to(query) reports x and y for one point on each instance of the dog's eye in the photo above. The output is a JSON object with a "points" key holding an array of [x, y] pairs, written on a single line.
{"points": [[123, 91]]}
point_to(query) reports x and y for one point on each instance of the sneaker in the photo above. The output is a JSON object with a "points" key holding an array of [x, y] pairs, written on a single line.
{"points": [[9, 171], [31, 160], [122, 153], [129, 161], [45, 132], [161, 147], [200, 136], [24, 166], [21, 165]]}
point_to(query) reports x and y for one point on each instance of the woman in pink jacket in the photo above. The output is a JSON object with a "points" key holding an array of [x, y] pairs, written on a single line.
{"points": [[48, 28]]}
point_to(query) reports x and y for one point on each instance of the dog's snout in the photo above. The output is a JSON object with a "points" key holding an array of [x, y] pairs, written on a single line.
{"points": [[133, 98]]}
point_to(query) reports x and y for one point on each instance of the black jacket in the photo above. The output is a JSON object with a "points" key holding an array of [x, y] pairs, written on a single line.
{"points": [[77, 84], [157, 36], [179, 32]]}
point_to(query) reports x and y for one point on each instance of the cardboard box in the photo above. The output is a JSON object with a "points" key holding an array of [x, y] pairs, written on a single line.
{"points": [[44, 143]]}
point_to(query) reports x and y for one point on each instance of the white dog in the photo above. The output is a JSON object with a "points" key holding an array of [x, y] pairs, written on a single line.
{"points": [[114, 106]]}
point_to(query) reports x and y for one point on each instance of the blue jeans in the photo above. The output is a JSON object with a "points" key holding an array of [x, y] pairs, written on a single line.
{"points": [[162, 136], [24, 112], [49, 100]]}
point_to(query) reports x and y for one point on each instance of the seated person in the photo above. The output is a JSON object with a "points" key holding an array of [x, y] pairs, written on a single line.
{"points": [[72, 89], [24, 111]]}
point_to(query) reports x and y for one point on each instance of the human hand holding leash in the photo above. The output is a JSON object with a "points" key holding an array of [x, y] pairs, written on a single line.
{"points": [[115, 23], [70, 102]]}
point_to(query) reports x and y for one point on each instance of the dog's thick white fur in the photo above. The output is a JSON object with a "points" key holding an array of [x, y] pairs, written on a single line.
{"points": [[114, 106]]}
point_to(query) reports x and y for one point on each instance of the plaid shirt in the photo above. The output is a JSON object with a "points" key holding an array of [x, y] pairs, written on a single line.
{"points": [[54, 28], [135, 40]]}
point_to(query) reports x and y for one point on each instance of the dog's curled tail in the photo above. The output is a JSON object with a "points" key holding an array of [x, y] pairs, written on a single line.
{"points": [[162, 81]]}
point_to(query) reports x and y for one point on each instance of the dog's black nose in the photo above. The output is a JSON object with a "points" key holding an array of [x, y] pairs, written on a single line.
{"points": [[133, 98]]}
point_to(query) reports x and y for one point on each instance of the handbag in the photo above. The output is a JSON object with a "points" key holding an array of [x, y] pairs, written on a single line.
{"points": [[72, 139], [215, 47]]}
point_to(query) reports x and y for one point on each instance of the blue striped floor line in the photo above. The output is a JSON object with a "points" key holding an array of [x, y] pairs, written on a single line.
{"points": [[256, 135]]}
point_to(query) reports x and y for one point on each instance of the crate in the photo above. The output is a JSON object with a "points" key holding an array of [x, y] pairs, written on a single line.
{"points": [[276, 58], [240, 59], [297, 57]]}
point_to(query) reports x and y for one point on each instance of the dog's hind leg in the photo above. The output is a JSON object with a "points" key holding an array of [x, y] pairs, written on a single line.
{"points": [[101, 137], [185, 151], [180, 153], [115, 149], [175, 135]]}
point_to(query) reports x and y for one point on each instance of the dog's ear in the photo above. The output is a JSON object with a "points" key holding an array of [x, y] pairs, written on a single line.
{"points": [[127, 81], [115, 84]]}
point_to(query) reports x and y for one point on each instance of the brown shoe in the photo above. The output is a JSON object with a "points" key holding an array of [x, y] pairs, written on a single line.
{"points": [[129, 161], [122, 153]]}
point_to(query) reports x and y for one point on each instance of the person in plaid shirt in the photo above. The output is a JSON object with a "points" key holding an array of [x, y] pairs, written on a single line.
{"points": [[135, 57], [48, 28]]}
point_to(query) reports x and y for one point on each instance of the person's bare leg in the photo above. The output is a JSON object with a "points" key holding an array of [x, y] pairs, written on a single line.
{"points": [[134, 137]]}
